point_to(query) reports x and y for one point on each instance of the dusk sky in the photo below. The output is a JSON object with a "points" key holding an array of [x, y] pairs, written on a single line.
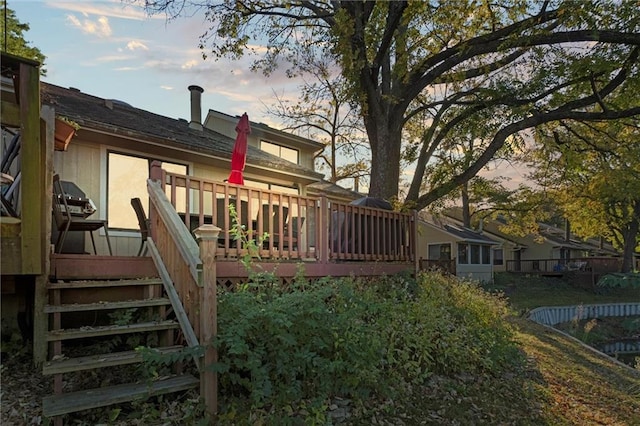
{"points": [[113, 50]]}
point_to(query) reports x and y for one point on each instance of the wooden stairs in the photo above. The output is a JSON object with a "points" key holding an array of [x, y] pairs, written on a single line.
{"points": [[100, 309]]}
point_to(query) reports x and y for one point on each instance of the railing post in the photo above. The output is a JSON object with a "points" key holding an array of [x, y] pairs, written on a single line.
{"points": [[155, 174], [207, 237], [413, 244], [323, 243]]}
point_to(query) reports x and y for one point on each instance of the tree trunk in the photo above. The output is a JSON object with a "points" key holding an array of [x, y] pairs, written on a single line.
{"points": [[466, 208], [631, 239], [385, 144]]}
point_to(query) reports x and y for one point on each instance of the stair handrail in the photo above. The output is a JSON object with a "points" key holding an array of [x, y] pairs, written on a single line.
{"points": [[178, 231], [195, 295]]}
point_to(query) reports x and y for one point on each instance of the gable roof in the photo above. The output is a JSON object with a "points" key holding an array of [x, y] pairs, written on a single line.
{"points": [[458, 232], [297, 140], [119, 118]]}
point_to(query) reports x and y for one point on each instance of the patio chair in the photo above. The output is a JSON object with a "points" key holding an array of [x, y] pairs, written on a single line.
{"points": [[143, 223], [67, 222], [271, 222], [293, 223], [243, 217]]}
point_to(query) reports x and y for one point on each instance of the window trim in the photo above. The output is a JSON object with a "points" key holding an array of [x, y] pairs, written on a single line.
{"points": [[280, 146]]}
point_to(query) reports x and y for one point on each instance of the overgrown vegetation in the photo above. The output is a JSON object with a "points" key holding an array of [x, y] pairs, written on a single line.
{"points": [[291, 351]]}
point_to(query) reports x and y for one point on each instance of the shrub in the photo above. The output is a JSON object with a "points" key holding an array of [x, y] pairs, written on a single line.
{"points": [[283, 349]]}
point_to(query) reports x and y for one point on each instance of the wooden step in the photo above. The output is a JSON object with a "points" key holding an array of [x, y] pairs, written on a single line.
{"points": [[79, 333], [100, 306], [58, 405], [103, 283], [70, 365], [82, 266]]}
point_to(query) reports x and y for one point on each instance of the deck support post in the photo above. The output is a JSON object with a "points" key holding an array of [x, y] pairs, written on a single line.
{"points": [[207, 237]]}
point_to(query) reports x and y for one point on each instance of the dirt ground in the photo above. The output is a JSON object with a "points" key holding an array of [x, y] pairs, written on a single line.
{"points": [[22, 387]]}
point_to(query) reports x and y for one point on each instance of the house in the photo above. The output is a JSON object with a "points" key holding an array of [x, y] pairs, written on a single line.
{"points": [[550, 251], [177, 168], [458, 250]]}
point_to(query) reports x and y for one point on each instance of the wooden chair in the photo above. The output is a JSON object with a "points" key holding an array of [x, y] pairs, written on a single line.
{"points": [[66, 222], [143, 223]]}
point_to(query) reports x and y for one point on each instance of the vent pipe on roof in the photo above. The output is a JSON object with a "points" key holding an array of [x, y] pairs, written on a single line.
{"points": [[196, 108]]}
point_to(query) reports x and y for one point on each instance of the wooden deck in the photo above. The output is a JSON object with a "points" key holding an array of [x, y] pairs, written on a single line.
{"points": [[75, 266]]}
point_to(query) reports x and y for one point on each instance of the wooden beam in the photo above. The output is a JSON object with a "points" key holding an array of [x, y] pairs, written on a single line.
{"points": [[32, 171], [41, 294], [10, 246]]}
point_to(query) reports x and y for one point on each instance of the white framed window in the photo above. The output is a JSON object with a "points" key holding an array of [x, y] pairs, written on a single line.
{"points": [[498, 256], [286, 153], [474, 254], [463, 253]]}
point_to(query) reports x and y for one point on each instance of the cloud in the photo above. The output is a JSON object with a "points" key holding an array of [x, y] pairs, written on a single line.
{"points": [[166, 87], [189, 64], [113, 58], [112, 9], [127, 69], [136, 45], [99, 28]]}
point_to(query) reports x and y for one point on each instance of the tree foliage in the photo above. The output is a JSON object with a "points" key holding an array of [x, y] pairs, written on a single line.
{"points": [[12, 38], [593, 172], [521, 63]]}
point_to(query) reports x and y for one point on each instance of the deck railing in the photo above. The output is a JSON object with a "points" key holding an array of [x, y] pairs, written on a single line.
{"points": [[297, 227], [558, 266]]}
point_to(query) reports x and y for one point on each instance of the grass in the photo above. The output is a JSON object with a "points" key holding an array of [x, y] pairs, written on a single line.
{"points": [[527, 292], [561, 383]]}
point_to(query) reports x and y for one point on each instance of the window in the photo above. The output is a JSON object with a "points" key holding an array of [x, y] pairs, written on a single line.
{"points": [[475, 254], [280, 151], [498, 256], [486, 255], [439, 251], [127, 178], [463, 253]]}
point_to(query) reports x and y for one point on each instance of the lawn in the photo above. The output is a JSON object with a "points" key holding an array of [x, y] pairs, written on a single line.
{"points": [[526, 292]]}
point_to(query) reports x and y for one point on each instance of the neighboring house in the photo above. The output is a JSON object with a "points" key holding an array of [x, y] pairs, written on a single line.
{"points": [[552, 249], [442, 242]]}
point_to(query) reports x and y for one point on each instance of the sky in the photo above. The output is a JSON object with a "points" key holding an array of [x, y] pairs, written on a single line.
{"points": [[114, 50]]}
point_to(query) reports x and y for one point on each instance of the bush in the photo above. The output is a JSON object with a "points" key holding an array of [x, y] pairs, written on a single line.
{"points": [[287, 348], [284, 350]]}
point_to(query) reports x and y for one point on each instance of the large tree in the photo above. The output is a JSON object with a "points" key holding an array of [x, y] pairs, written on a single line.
{"points": [[12, 37], [523, 62]]}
